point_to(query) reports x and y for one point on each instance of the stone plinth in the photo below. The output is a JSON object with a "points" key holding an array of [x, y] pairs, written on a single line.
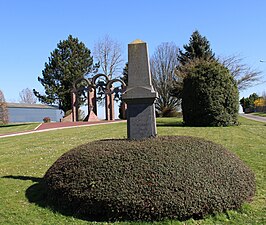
{"points": [[140, 94]]}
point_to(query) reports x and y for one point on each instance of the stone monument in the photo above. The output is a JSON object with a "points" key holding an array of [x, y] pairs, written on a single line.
{"points": [[140, 94]]}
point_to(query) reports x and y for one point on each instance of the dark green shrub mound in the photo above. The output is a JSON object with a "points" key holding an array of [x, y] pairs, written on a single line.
{"points": [[210, 95], [153, 179]]}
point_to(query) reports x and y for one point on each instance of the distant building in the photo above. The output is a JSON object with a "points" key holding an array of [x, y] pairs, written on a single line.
{"points": [[19, 112]]}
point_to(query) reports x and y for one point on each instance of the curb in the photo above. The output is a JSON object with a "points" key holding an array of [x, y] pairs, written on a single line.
{"points": [[36, 128]]}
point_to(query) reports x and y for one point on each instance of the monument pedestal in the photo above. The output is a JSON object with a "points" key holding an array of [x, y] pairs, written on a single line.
{"points": [[141, 119]]}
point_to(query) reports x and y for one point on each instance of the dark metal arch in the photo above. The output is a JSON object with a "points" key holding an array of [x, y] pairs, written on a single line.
{"points": [[110, 82], [93, 88], [97, 76], [113, 92], [79, 81]]}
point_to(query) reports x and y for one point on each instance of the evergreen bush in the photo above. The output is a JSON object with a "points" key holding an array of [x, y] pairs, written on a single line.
{"points": [[210, 95], [152, 179]]}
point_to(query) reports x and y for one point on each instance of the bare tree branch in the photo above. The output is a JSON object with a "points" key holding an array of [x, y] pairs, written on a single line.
{"points": [[244, 75], [109, 55], [264, 95], [163, 64], [3, 109], [27, 96]]}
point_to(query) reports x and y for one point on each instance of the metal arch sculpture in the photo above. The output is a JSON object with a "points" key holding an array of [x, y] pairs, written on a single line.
{"points": [[74, 96], [105, 89], [79, 81], [117, 91], [93, 80], [114, 94], [100, 85]]}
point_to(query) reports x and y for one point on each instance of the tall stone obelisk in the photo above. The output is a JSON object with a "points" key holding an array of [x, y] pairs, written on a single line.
{"points": [[140, 94]]}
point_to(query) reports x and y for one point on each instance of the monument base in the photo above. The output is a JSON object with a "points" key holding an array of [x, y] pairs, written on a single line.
{"points": [[141, 121]]}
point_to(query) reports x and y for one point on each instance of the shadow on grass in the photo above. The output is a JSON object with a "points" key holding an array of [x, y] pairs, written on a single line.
{"points": [[178, 124], [37, 194], [13, 125], [170, 124], [33, 179]]}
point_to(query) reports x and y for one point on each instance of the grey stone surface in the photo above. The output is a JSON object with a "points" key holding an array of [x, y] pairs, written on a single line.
{"points": [[140, 94], [139, 78], [141, 121]]}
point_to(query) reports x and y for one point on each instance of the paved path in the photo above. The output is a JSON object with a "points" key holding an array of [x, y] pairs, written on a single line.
{"points": [[57, 125], [253, 117]]}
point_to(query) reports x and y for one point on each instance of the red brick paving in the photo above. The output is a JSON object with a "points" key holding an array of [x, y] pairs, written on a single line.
{"points": [[53, 125]]}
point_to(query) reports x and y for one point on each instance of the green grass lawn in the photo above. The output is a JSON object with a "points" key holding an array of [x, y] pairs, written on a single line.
{"points": [[17, 127], [25, 159]]}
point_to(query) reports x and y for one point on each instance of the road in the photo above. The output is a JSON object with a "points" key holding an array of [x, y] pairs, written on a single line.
{"points": [[253, 117]]}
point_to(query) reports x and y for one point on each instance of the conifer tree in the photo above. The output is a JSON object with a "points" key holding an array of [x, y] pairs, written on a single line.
{"points": [[125, 79], [125, 74], [70, 61], [210, 95], [197, 48]]}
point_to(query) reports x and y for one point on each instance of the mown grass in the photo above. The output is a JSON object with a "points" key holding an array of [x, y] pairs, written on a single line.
{"points": [[17, 127], [25, 159]]}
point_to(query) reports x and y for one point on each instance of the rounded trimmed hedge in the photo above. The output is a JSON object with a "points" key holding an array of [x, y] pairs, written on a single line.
{"points": [[153, 179]]}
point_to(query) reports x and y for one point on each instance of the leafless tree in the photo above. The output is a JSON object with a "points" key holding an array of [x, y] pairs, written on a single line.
{"points": [[244, 75], [264, 95], [27, 96], [3, 109], [108, 53], [163, 66]]}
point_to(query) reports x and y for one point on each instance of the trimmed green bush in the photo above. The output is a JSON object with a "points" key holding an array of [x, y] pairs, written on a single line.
{"points": [[210, 95], [46, 119], [152, 179]]}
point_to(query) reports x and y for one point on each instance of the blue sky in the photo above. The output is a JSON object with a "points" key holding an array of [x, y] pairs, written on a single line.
{"points": [[31, 29]]}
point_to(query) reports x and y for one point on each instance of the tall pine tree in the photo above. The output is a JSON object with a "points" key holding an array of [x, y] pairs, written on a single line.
{"points": [[70, 61], [197, 48]]}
